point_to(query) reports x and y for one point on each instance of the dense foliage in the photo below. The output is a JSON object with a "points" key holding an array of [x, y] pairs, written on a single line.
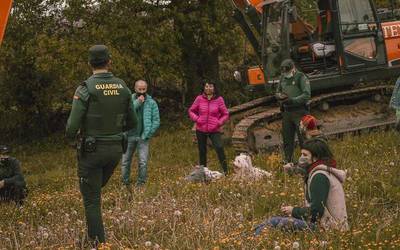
{"points": [[172, 44]]}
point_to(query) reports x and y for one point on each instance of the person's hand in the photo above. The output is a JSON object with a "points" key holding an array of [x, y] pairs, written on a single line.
{"points": [[287, 210], [288, 167], [2, 183], [281, 96], [141, 99]]}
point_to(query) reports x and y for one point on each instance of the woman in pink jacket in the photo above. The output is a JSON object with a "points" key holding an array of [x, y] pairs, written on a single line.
{"points": [[209, 113]]}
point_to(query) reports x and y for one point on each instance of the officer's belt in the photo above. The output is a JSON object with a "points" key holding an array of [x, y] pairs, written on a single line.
{"points": [[103, 142], [294, 108], [108, 139]]}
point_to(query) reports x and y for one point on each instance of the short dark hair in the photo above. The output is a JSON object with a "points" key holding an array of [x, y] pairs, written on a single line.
{"points": [[318, 148], [100, 65], [203, 85]]}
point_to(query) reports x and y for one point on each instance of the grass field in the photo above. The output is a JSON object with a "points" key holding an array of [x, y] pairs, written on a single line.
{"points": [[173, 214]]}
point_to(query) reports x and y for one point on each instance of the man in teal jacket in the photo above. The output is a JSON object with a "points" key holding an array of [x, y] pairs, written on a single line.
{"points": [[148, 118]]}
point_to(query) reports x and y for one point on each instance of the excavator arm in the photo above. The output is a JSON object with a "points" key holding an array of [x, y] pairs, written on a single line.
{"points": [[5, 8]]}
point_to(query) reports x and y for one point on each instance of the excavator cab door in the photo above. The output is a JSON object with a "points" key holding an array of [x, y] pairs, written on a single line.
{"points": [[361, 38]]}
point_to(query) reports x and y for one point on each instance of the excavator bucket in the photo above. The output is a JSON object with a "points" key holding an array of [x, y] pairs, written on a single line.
{"points": [[5, 7]]}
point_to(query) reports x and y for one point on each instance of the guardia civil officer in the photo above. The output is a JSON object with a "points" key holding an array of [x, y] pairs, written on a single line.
{"points": [[101, 111], [293, 93]]}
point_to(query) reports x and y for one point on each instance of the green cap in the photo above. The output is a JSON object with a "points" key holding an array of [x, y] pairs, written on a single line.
{"points": [[287, 65], [98, 54]]}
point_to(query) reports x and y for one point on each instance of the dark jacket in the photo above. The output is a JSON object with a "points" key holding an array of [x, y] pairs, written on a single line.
{"points": [[10, 172]]}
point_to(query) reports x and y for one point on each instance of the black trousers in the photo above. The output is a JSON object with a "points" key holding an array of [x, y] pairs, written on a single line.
{"points": [[217, 144], [94, 171], [13, 193]]}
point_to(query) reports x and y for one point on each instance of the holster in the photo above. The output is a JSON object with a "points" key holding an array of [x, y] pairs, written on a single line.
{"points": [[90, 144], [85, 145], [124, 143]]}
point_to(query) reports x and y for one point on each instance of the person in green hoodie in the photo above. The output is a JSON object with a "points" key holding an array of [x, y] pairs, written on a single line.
{"points": [[139, 138], [325, 205], [293, 93]]}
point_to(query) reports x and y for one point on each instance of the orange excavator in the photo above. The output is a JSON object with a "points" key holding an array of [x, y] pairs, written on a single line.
{"points": [[350, 40], [349, 50], [5, 8]]}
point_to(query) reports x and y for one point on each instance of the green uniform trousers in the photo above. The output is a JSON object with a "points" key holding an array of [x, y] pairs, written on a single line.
{"points": [[94, 171], [290, 127]]}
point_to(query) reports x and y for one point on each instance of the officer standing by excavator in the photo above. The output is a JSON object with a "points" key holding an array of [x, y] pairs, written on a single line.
{"points": [[101, 111], [293, 94]]}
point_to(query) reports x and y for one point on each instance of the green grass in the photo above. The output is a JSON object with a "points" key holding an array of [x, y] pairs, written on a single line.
{"points": [[220, 215]]}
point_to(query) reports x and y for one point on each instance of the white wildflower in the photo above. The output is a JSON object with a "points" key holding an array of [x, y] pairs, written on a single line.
{"points": [[323, 243], [177, 213], [217, 211]]}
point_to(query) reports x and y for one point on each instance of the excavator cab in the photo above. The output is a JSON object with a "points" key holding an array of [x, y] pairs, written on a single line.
{"points": [[344, 44]]}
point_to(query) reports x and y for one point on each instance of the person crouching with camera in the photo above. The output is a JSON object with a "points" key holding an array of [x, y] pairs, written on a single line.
{"points": [[12, 182]]}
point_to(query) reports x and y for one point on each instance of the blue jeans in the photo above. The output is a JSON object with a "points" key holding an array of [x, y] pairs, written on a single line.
{"points": [[142, 148], [284, 223]]}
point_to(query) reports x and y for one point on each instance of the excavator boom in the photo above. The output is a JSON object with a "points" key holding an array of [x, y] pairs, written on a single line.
{"points": [[5, 7]]}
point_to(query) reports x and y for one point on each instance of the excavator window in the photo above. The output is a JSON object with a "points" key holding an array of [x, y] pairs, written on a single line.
{"points": [[356, 15], [361, 47]]}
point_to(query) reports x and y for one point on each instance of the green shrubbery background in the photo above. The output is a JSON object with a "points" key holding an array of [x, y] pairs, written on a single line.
{"points": [[172, 44]]}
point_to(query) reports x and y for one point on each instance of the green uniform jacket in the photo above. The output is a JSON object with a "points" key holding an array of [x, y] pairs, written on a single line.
{"points": [[297, 88], [101, 108], [319, 188], [10, 172]]}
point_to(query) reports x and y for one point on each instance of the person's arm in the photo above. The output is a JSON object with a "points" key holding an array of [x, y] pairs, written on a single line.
{"points": [[78, 111], [155, 119], [395, 99], [305, 92], [224, 112], [319, 190], [131, 118], [17, 178], [194, 110], [136, 103], [279, 86]]}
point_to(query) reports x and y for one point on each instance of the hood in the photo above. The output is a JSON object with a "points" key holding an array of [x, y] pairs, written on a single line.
{"points": [[338, 173]]}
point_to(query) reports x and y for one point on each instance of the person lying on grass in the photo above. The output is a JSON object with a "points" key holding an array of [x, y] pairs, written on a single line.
{"points": [[325, 205]]}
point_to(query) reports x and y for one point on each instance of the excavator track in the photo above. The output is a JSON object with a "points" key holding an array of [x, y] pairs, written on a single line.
{"points": [[255, 126]]}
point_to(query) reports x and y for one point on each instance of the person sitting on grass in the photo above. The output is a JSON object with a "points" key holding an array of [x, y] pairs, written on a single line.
{"points": [[325, 204], [12, 183], [308, 128]]}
